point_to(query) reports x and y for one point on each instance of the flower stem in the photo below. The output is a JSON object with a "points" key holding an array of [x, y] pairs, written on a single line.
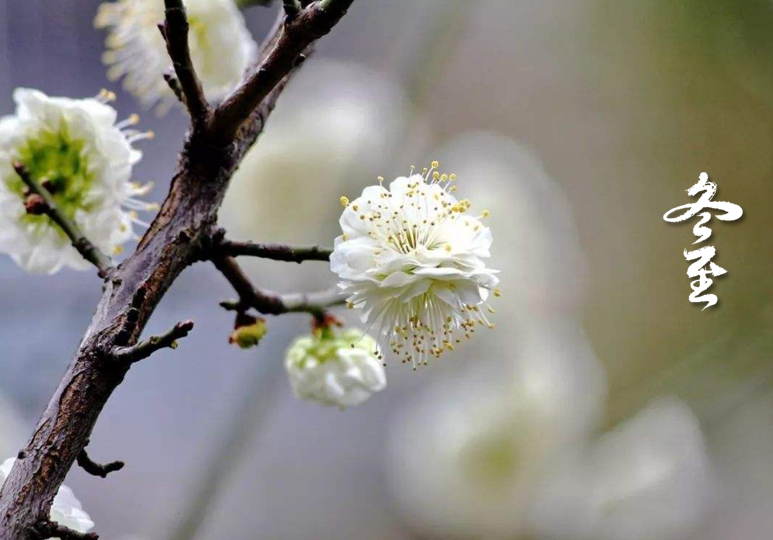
{"points": [[89, 251]]}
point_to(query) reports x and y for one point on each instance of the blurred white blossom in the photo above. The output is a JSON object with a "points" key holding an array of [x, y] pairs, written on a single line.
{"points": [[650, 479], [335, 367], [540, 259], [221, 47], [76, 147], [468, 456], [334, 123], [66, 510], [414, 261]]}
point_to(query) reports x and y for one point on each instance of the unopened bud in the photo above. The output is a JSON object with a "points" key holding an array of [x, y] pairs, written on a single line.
{"points": [[35, 205], [248, 333]]}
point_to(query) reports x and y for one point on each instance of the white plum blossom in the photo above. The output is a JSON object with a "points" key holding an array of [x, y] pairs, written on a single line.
{"points": [[332, 367], [66, 510], [543, 265], [414, 260], [76, 149], [221, 47]]}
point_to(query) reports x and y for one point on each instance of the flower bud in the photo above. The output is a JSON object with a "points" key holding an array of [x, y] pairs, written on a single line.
{"points": [[248, 333], [335, 367]]}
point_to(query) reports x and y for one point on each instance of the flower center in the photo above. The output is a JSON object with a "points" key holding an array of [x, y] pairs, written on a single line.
{"points": [[57, 161]]}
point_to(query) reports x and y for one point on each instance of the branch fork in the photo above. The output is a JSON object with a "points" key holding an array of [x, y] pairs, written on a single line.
{"points": [[270, 303]]}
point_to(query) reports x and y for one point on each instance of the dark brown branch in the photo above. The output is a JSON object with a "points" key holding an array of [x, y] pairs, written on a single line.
{"points": [[41, 202], [275, 252], [46, 529], [179, 236], [97, 469], [175, 31], [270, 303], [144, 349], [243, 4], [310, 24]]}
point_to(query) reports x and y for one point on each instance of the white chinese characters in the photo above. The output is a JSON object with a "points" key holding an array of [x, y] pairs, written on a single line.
{"points": [[703, 267]]}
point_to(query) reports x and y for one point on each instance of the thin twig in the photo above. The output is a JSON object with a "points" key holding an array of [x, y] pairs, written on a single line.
{"points": [[275, 252], [144, 349], [97, 469], [50, 529], [46, 205], [270, 303], [175, 31]]}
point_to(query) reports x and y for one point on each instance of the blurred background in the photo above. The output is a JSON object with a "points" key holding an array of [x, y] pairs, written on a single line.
{"points": [[604, 405]]}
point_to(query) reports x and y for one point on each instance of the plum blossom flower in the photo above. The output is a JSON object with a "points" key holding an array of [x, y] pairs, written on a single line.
{"points": [[413, 259], [66, 510], [334, 367], [85, 159], [221, 47]]}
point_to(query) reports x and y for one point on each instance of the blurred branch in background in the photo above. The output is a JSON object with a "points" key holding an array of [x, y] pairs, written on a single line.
{"points": [[714, 380], [252, 404]]}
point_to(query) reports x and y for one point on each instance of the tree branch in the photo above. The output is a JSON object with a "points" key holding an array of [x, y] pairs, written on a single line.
{"points": [[180, 235], [45, 204], [249, 3], [175, 31], [275, 252], [144, 349], [298, 32], [269, 303], [47, 529], [96, 469]]}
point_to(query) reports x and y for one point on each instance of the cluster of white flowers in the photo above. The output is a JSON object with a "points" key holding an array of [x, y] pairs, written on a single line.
{"points": [[66, 510], [84, 158], [334, 367], [221, 47], [413, 259]]}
